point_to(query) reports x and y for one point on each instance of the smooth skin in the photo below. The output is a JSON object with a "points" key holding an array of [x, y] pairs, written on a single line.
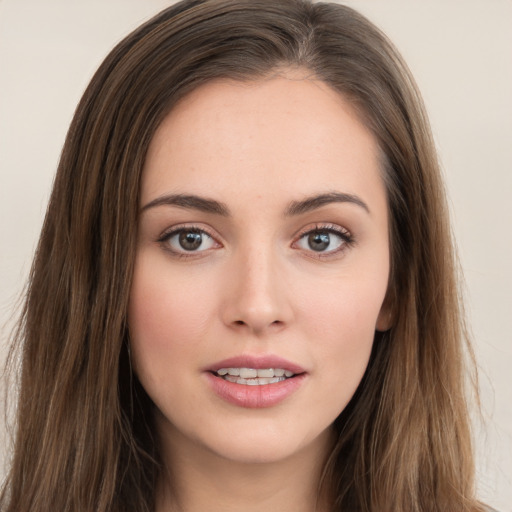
{"points": [[256, 270]]}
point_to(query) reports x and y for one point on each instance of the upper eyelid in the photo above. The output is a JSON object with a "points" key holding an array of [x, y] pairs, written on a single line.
{"points": [[334, 228], [318, 226], [346, 235], [187, 227], [166, 236]]}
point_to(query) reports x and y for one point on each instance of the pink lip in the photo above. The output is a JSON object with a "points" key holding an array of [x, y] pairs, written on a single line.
{"points": [[257, 362], [254, 397]]}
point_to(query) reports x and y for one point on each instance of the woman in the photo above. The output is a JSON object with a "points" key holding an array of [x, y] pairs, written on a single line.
{"points": [[252, 283]]}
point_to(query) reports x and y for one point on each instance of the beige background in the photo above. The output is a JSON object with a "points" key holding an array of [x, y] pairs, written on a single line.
{"points": [[461, 54]]}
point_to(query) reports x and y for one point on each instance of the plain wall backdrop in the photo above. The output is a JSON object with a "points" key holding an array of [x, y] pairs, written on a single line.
{"points": [[460, 52]]}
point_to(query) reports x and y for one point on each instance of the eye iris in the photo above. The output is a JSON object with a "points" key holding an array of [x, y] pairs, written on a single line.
{"points": [[319, 241], [189, 240]]}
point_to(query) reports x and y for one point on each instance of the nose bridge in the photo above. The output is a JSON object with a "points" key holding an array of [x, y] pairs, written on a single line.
{"points": [[258, 298]]}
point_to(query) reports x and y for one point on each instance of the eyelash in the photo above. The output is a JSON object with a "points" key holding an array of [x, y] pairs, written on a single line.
{"points": [[346, 239], [176, 230]]}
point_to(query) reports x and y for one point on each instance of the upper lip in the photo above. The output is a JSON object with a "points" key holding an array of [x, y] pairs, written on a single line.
{"points": [[257, 362]]}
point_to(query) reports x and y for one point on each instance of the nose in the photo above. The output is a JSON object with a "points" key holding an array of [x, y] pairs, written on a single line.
{"points": [[257, 299]]}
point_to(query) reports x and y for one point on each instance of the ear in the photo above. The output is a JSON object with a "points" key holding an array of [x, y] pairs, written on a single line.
{"points": [[385, 320]]}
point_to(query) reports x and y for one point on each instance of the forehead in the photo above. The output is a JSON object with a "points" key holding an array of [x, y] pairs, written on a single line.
{"points": [[285, 132]]}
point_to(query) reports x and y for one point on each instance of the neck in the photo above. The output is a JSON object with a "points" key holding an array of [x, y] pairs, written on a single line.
{"points": [[196, 479]]}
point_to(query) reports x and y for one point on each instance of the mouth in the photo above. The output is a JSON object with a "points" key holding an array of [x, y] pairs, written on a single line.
{"points": [[254, 376], [255, 380]]}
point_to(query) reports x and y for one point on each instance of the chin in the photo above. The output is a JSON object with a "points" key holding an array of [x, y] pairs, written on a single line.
{"points": [[264, 445]]}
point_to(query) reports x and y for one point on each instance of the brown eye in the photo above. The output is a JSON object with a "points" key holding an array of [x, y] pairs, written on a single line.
{"points": [[319, 241], [324, 240], [188, 240]]}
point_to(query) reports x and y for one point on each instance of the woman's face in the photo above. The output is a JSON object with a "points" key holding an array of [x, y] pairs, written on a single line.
{"points": [[262, 250]]}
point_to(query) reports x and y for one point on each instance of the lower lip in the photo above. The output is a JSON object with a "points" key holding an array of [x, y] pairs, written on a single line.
{"points": [[254, 397]]}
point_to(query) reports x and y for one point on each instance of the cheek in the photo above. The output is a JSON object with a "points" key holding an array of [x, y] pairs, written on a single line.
{"points": [[345, 328], [345, 310], [166, 321], [341, 326]]}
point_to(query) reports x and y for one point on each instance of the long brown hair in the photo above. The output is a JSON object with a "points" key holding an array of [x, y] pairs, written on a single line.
{"points": [[84, 437]]}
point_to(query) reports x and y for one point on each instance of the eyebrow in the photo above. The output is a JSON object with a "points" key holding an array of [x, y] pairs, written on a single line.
{"points": [[294, 208], [312, 203], [191, 202]]}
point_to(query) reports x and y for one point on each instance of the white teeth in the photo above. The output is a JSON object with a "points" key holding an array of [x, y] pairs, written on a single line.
{"points": [[254, 382], [266, 373], [253, 373], [273, 380], [248, 373]]}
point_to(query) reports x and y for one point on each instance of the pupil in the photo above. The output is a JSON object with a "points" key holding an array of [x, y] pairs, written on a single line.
{"points": [[319, 241], [190, 240]]}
